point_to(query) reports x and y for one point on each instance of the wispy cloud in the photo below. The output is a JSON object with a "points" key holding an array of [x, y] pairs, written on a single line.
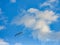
{"points": [[3, 18], [39, 21], [2, 27], [18, 43], [2, 42], [1, 11], [50, 3], [13, 1]]}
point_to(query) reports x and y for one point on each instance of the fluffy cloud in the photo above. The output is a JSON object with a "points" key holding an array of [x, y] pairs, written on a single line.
{"points": [[18, 43], [2, 42], [39, 21]]}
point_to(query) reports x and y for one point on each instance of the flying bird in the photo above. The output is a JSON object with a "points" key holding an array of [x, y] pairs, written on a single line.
{"points": [[18, 33]]}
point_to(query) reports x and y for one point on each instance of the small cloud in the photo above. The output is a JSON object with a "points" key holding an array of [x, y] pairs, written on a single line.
{"points": [[2, 27], [2, 42], [13, 1], [18, 43]]}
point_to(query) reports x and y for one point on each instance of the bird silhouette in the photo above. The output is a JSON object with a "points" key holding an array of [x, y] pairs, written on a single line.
{"points": [[19, 33]]}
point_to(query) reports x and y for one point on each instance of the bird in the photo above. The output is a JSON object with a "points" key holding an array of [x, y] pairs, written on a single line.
{"points": [[19, 33]]}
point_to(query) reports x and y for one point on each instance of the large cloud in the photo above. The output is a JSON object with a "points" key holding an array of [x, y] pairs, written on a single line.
{"points": [[39, 21], [2, 42]]}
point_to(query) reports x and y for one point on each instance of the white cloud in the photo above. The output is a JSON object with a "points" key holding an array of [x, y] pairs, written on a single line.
{"points": [[27, 20], [39, 21], [13, 1], [18, 43], [2, 42]]}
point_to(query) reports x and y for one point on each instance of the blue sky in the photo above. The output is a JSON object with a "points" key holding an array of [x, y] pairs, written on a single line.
{"points": [[39, 20]]}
